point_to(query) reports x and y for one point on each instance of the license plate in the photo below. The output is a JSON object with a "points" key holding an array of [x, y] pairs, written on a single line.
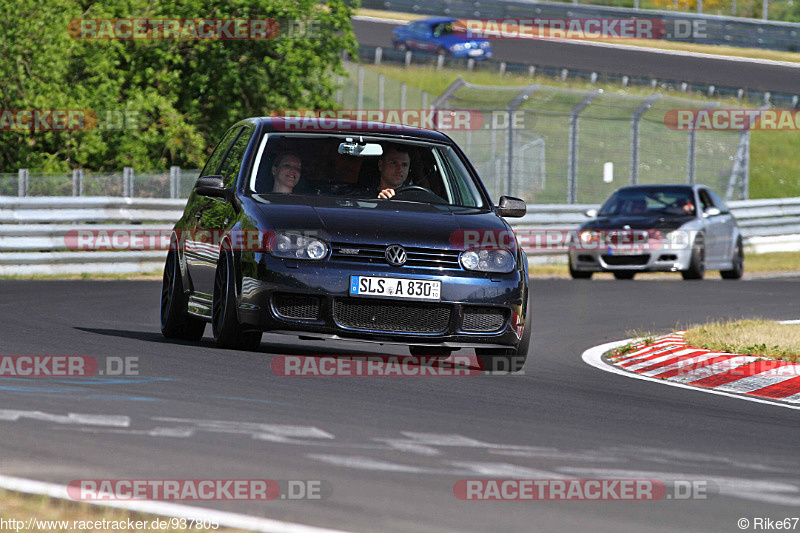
{"points": [[476, 52], [623, 251], [418, 289]]}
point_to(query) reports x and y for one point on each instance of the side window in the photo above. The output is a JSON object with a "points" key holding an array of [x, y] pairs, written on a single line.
{"points": [[233, 161], [214, 162], [705, 200], [719, 203]]}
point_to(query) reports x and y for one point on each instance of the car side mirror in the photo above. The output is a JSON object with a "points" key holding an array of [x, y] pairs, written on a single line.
{"points": [[591, 213], [511, 207], [211, 186], [711, 212]]}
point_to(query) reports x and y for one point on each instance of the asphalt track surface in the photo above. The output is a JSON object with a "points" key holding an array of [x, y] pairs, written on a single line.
{"points": [[753, 75], [393, 448]]}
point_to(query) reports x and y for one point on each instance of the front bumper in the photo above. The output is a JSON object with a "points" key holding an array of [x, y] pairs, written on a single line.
{"points": [[608, 260], [312, 299]]}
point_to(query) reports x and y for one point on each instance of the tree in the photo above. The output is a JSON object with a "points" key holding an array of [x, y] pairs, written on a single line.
{"points": [[182, 94]]}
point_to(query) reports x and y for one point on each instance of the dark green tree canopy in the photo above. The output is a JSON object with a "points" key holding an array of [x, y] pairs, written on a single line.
{"points": [[181, 95]]}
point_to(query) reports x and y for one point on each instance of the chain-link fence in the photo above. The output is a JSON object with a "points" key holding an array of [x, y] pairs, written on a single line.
{"points": [[560, 145]]}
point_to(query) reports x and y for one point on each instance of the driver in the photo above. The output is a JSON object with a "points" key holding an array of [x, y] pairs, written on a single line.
{"points": [[393, 166]]}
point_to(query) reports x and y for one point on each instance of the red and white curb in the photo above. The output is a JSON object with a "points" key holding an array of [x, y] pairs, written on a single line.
{"points": [[670, 361]]}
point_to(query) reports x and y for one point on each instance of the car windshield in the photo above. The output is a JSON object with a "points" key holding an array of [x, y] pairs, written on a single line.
{"points": [[646, 202], [312, 164]]}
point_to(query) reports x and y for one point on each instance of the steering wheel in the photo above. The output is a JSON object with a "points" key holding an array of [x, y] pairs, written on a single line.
{"points": [[414, 192]]}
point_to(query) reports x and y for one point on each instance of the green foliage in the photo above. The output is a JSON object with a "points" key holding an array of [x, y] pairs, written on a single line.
{"points": [[184, 94]]}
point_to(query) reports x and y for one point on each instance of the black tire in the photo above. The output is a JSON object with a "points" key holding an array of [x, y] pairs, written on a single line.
{"points": [[176, 323], [738, 263], [228, 333], [579, 274], [697, 265], [442, 51], [400, 46], [429, 351], [624, 274]]}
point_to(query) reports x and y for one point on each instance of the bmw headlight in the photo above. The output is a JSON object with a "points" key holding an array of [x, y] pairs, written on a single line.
{"points": [[457, 47], [488, 260], [294, 246]]}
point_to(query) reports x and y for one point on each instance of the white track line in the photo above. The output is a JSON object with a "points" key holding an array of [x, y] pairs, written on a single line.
{"points": [[594, 357], [175, 510], [699, 55]]}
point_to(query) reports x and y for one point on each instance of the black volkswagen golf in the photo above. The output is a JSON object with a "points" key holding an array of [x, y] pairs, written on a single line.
{"points": [[347, 230]]}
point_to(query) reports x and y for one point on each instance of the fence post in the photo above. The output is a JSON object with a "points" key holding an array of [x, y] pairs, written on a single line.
{"points": [[127, 182], [360, 100], [408, 58], [22, 183], [378, 55], [511, 110], [381, 88], [77, 182], [637, 115], [572, 148], [690, 157], [174, 181], [403, 90]]}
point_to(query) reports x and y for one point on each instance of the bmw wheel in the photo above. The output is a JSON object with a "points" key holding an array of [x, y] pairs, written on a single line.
{"points": [[228, 332], [697, 264], [175, 322], [579, 274], [624, 274], [738, 263]]}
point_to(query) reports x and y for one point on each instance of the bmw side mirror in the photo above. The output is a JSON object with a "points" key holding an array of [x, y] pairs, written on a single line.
{"points": [[211, 186], [591, 213], [711, 212], [511, 207]]}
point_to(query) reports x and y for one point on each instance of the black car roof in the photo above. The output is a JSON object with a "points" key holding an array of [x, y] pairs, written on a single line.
{"points": [[356, 127]]}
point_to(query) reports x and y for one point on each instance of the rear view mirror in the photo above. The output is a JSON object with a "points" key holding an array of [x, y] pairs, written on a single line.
{"points": [[591, 213], [360, 150], [211, 186], [711, 212], [511, 207]]}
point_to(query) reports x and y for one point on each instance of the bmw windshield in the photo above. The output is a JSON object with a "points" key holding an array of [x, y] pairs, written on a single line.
{"points": [[671, 202]]}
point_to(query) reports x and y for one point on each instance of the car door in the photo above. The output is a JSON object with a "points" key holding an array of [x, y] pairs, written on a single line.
{"points": [[196, 242], [715, 225], [218, 215], [421, 37], [727, 227]]}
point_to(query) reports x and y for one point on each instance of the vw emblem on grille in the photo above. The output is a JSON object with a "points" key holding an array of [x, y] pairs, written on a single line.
{"points": [[396, 255]]}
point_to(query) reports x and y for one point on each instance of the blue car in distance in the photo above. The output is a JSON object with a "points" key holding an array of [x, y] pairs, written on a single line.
{"points": [[437, 36]]}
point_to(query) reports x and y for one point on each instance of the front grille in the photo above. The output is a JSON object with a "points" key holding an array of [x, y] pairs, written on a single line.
{"points": [[626, 260], [297, 306], [376, 254], [396, 317], [483, 319]]}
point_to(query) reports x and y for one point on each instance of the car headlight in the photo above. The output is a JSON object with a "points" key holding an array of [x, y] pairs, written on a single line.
{"points": [[457, 47], [488, 260], [486, 44], [293, 246], [589, 237]]}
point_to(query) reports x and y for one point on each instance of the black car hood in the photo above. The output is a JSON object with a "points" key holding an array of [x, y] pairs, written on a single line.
{"points": [[368, 221], [637, 222]]}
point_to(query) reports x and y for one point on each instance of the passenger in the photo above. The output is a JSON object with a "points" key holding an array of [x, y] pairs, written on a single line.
{"points": [[686, 206], [286, 172]]}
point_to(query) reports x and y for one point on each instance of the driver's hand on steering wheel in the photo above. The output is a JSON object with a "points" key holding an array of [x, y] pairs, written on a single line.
{"points": [[386, 193]]}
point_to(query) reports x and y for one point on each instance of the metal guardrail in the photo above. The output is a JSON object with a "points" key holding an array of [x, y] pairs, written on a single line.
{"points": [[712, 29], [33, 232]]}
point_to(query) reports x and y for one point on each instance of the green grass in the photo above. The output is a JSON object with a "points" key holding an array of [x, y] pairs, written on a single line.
{"points": [[760, 338]]}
